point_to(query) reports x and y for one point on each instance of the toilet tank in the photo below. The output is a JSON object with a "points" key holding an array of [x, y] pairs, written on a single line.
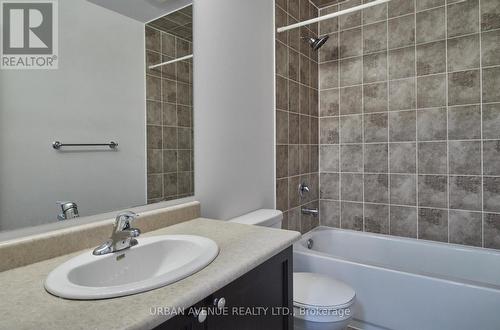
{"points": [[262, 217]]}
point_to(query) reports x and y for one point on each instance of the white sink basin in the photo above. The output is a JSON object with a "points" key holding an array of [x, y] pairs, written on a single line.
{"points": [[155, 262]]}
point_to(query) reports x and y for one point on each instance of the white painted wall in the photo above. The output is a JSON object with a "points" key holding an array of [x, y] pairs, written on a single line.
{"points": [[97, 95], [234, 106]]}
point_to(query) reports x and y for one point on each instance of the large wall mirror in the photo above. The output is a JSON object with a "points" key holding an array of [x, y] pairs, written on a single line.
{"points": [[119, 106]]}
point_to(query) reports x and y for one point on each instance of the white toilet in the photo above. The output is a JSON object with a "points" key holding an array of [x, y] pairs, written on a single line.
{"points": [[319, 301]]}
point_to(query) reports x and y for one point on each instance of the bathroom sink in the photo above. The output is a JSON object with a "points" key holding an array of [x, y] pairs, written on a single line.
{"points": [[154, 262]]}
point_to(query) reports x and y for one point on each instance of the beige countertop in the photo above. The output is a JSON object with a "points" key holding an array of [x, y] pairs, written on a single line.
{"points": [[24, 303]]}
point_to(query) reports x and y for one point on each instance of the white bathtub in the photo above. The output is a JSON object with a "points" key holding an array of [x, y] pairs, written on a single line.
{"points": [[405, 284]]}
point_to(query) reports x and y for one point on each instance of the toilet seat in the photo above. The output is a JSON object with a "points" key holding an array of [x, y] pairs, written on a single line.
{"points": [[320, 298]]}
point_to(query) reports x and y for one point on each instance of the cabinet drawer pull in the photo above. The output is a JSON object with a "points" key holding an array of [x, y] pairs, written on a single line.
{"points": [[220, 303]]}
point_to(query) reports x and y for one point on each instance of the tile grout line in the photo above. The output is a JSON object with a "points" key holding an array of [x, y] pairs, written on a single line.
{"points": [[340, 146], [320, 216], [447, 122], [362, 113], [288, 118], [161, 98], [311, 79], [417, 202], [480, 32], [290, 191], [378, 82], [402, 141], [176, 114], [302, 200], [388, 113], [276, 123], [410, 206], [403, 173], [319, 126]]}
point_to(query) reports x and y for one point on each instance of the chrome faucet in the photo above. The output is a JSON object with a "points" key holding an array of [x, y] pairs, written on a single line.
{"points": [[308, 211], [303, 189], [69, 210], [122, 237]]}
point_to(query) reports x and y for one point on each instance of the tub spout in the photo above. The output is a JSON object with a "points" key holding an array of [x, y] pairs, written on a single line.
{"points": [[308, 211]]}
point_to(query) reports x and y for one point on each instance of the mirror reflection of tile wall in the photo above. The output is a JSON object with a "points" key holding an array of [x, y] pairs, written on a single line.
{"points": [[169, 91]]}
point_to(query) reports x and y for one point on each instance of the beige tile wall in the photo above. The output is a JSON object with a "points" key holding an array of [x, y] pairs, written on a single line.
{"points": [[296, 114], [409, 120]]}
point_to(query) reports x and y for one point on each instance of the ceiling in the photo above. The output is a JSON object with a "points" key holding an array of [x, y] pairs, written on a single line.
{"points": [[178, 23], [143, 10]]}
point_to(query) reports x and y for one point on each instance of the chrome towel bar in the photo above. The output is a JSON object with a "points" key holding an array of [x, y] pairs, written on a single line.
{"points": [[58, 145]]}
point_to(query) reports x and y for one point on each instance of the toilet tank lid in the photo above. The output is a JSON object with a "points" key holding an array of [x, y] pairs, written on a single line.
{"points": [[320, 291], [262, 217]]}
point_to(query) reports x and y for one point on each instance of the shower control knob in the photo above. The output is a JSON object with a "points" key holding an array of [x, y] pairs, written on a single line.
{"points": [[303, 189], [220, 303], [202, 316]]}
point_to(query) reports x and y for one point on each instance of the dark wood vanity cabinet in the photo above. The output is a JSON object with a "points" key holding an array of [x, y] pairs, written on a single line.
{"points": [[259, 300]]}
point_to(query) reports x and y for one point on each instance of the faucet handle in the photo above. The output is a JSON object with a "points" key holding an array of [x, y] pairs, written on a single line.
{"points": [[122, 237], [303, 189], [69, 210], [123, 220]]}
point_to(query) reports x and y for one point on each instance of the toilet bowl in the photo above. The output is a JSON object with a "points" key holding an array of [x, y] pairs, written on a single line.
{"points": [[321, 302]]}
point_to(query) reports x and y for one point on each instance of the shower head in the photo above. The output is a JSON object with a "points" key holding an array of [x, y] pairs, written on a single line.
{"points": [[316, 43]]}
